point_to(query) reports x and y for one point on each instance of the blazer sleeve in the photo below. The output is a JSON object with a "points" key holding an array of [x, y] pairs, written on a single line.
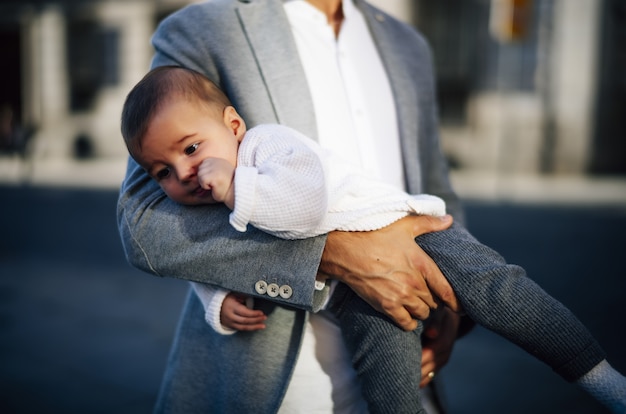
{"points": [[198, 243]]}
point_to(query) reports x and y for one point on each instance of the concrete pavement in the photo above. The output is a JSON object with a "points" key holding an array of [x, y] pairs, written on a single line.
{"points": [[83, 332]]}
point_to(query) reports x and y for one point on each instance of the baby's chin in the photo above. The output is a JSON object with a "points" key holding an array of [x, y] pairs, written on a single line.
{"points": [[192, 198], [197, 199]]}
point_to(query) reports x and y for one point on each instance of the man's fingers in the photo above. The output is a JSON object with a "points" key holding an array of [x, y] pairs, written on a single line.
{"points": [[418, 310], [429, 224], [428, 366], [437, 283], [415, 295], [415, 306], [431, 282], [404, 320], [440, 287]]}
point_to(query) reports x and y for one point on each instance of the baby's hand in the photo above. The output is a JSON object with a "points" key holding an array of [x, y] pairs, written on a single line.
{"points": [[217, 175], [236, 315]]}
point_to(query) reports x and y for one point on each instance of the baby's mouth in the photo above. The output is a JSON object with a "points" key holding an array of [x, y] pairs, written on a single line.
{"points": [[201, 192]]}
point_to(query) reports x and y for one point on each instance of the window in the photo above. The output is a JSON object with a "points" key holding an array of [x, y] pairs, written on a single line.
{"points": [[93, 61]]}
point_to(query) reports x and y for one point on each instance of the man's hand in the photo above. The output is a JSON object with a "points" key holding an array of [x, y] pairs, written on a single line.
{"points": [[440, 332], [389, 270], [217, 175]]}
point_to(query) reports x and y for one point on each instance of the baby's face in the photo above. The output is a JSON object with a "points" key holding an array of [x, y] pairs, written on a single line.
{"points": [[181, 135]]}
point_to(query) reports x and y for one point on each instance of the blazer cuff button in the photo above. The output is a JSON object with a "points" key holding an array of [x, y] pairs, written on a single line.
{"points": [[261, 287], [272, 290], [285, 291]]}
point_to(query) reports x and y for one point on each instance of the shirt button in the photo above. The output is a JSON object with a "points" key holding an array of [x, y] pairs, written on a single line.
{"points": [[272, 290], [286, 291], [261, 287]]}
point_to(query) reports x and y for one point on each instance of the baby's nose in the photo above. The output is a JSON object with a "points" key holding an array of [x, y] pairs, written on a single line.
{"points": [[186, 173]]}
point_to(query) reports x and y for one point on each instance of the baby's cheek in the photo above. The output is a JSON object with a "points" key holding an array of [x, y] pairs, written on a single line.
{"points": [[174, 193]]}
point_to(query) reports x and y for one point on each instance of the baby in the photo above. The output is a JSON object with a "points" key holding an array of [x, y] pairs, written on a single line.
{"points": [[184, 131]]}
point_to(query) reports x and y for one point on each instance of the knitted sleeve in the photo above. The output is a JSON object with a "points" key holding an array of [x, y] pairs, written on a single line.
{"points": [[212, 298], [279, 184]]}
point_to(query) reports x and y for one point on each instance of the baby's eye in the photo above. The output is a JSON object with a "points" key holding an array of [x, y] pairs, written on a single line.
{"points": [[191, 149], [164, 173]]}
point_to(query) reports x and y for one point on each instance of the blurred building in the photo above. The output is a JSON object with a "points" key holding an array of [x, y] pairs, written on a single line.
{"points": [[68, 65], [538, 90], [531, 85]]}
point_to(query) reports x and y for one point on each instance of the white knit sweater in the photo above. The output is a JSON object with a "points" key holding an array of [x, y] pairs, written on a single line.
{"points": [[288, 186]]}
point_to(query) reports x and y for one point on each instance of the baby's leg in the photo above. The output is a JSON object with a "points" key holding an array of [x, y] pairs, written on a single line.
{"points": [[501, 298], [386, 358]]}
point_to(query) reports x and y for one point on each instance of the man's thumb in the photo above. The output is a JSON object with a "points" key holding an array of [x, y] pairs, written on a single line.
{"points": [[429, 224]]}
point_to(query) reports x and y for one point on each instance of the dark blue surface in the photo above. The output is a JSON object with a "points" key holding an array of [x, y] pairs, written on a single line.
{"points": [[83, 332], [577, 255]]}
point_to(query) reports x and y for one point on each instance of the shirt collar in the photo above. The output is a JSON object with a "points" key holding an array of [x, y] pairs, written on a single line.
{"points": [[303, 8]]}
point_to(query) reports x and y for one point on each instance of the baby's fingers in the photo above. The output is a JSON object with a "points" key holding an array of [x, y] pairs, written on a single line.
{"points": [[253, 322], [253, 327], [247, 313]]}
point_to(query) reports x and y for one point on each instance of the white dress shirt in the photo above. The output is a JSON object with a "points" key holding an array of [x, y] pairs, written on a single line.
{"points": [[354, 106], [356, 119]]}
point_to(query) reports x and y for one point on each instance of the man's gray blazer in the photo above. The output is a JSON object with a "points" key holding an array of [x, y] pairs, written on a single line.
{"points": [[246, 48]]}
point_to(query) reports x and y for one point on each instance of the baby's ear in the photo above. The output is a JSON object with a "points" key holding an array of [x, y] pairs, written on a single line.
{"points": [[235, 122]]}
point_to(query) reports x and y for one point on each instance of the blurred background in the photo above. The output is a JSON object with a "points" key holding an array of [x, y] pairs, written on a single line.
{"points": [[525, 86], [532, 101]]}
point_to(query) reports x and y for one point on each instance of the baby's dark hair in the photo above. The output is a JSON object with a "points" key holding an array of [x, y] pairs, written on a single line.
{"points": [[155, 89]]}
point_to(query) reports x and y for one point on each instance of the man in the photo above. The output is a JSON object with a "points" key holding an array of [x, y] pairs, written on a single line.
{"points": [[255, 51]]}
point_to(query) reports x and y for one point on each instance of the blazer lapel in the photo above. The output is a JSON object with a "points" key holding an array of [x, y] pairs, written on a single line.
{"points": [[265, 25]]}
